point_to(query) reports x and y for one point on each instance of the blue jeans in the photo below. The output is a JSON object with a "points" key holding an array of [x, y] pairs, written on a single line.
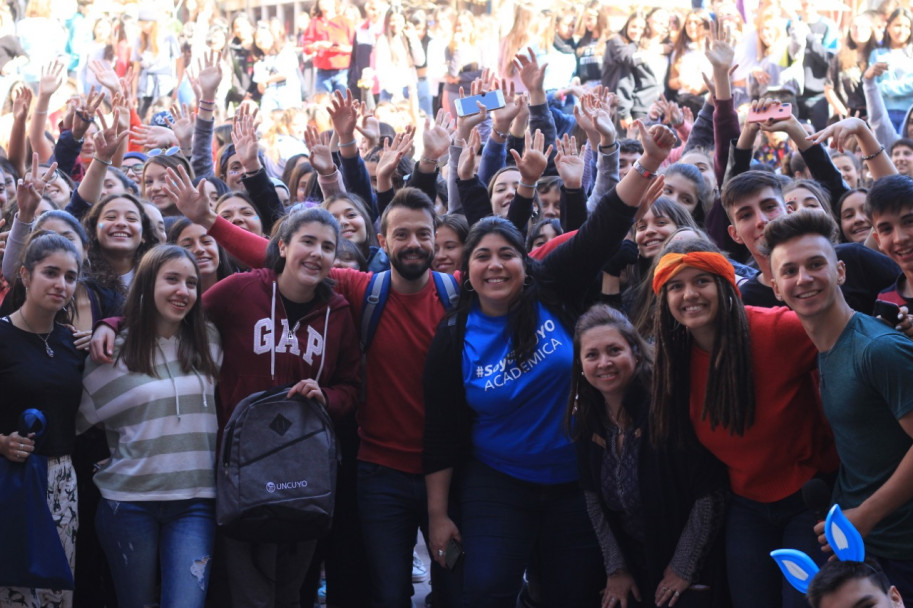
{"points": [[753, 530], [423, 92], [139, 537], [392, 506], [511, 526], [331, 80]]}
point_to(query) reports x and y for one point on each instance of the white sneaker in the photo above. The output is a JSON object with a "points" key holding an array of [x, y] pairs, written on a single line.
{"points": [[419, 571]]}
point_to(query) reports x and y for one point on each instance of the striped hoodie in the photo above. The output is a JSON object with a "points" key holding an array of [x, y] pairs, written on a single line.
{"points": [[161, 431]]}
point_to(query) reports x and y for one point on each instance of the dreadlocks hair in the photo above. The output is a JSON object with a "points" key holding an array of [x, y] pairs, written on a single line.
{"points": [[729, 399]]}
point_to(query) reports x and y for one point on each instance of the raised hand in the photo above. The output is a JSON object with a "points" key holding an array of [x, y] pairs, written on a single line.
{"points": [[153, 136], [436, 138], [193, 202], [320, 157], [182, 125], [720, 53], [22, 100], [209, 75], [105, 75], [532, 74], [51, 79], [244, 137], [344, 115], [569, 162], [466, 166], [29, 189], [390, 157], [465, 124], [534, 160], [85, 113], [369, 129], [840, 132], [107, 139]]}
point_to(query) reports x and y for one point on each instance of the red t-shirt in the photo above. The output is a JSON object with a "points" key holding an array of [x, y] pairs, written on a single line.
{"points": [[790, 440]]}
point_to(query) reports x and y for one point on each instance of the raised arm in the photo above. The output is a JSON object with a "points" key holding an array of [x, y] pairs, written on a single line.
{"points": [[50, 81]]}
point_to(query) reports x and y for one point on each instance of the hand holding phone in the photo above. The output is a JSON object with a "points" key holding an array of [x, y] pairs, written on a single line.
{"points": [[773, 113], [467, 106], [888, 311], [453, 553]]}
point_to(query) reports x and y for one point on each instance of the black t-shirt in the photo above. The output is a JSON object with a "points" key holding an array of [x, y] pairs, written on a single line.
{"points": [[29, 378]]}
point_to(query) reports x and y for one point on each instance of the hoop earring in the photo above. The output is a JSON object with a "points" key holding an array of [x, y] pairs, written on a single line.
{"points": [[527, 281], [468, 287]]}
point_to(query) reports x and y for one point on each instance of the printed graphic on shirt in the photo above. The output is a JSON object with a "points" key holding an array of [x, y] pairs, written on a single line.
{"points": [[507, 369], [286, 341]]}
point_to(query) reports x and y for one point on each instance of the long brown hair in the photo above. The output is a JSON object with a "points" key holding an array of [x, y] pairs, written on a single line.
{"points": [[729, 399], [138, 351]]}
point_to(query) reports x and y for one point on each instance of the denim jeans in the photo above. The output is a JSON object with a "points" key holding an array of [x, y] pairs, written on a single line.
{"points": [[331, 80], [392, 506], [511, 526], [139, 537], [753, 530], [423, 92]]}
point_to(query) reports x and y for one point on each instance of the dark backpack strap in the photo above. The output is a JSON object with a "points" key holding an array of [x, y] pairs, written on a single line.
{"points": [[375, 299], [448, 290]]}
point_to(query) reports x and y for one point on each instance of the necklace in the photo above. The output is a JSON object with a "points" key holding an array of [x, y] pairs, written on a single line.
{"points": [[45, 338]]}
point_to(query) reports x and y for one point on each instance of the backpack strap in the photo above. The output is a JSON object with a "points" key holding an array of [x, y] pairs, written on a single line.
{"points": [[448, 290], [375, 299]]}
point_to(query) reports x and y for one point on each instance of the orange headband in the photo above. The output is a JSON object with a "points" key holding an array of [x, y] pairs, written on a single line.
{"points": [[673, 263]]}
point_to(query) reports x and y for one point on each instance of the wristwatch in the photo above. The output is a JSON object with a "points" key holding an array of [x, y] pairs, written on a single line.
{"points": [[643, 172]]}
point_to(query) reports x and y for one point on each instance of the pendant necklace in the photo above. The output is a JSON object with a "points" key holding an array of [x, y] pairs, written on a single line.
{"points": [[47, 347]]}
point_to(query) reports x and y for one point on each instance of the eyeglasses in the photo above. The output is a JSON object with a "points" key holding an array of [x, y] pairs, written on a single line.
{"points": [[163, 152], [136, 169]]}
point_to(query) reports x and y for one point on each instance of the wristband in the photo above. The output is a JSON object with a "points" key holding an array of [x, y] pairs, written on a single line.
{"points": [[347, 144], [40, 112], [106, 163], [530, 186], [609, 148], [430, 161], [212, 103], [871, 156], [643, 171]]}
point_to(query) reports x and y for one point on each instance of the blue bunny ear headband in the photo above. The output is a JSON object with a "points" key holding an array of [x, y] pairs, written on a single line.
{"points": [[842, 536]]}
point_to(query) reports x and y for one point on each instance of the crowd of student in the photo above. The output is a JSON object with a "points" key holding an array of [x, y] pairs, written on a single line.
{"points": [[663, 330]]}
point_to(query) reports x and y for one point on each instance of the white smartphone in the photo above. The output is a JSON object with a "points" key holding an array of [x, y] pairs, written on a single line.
{"points": [[492, 100]]}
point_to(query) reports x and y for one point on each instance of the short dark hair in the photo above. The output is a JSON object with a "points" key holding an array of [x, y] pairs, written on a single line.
{"points": [[834, 574], [903, 141], [746, 184], [891, 193], [787, 227], [409, 198], [630, 146]]}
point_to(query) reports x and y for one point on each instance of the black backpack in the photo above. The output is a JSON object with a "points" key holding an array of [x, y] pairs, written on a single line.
{"points": [[276, 477]]}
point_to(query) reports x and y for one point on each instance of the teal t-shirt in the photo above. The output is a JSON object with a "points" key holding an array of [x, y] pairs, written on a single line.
{"points": [[866, 387], [519, 407]]}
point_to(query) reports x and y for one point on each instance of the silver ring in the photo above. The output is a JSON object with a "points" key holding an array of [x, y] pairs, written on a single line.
{"points": [[676, 594], [440, 552]]}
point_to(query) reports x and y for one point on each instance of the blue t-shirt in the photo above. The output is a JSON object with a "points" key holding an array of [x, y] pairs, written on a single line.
{"points": [[866, 387], [519, 407]]}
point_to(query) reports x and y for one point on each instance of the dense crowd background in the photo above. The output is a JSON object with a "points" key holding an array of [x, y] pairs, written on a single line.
{"points": [[617, 410]]}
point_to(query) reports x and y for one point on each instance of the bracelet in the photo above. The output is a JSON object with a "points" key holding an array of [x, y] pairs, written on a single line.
{"points": [[642, 170], [499, 133], [212, 103], [106, 163], [40, 112], [871, 156], [609, 149], [347, 144], [530, 186], [430, 161]]}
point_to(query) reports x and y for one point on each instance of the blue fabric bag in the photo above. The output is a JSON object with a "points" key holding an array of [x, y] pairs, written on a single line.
{"points": [[33, 556]]}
